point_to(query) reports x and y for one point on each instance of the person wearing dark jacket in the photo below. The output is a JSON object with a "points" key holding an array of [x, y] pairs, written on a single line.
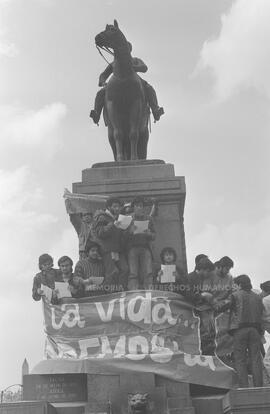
{"points": [[223, 280], [222, 290], [200, 294], [246, 327], [76, 288], [265, 294], [110, 237]]}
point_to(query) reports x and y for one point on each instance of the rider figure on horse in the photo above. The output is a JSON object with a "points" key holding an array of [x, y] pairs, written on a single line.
{"points": [[150, 93]]}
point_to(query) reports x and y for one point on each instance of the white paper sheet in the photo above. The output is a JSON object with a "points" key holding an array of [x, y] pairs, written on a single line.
{"points": [[63, 290], [47, 292], [140, 226], [123, 221], [167, 273]]}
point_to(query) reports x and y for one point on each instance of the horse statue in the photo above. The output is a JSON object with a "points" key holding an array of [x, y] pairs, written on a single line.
{"points": [[126, 111]]}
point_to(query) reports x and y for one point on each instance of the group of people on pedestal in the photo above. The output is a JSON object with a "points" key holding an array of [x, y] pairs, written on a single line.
{"points": [[115, 248], [216, 294]]}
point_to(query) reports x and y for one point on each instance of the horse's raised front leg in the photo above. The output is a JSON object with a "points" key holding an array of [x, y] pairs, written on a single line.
{"points": [[118, 139]]}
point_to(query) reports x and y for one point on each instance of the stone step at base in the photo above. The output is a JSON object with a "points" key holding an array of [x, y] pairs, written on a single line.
{"points": [[178, 402], [188, 410], [251, 400], [69, 408], [212, 404], [248, 410], [27, 407]]}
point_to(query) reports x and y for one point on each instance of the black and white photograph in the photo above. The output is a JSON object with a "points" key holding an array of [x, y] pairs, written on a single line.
{"points": [[135, 206]]}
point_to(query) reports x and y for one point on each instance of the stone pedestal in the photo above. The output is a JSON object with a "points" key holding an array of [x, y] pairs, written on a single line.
{"points": [[247, 400], [27, 407], [55, 387], [211, 404], [151, 179], [92, 393]]}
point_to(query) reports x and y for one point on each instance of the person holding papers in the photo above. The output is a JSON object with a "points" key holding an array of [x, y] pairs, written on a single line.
{"points": [[44, 281], [108, 232], [140, 235], [90, 272], [170, 276], [68, 286]]}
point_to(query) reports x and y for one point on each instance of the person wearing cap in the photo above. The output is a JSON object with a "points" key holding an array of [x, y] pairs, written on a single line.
{"points": [[47, 277], [246, 328], [265, 287], [106, 232]]}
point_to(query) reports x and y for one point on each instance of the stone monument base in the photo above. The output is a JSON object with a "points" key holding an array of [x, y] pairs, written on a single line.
{"points": [[27, 407], [247, 400], [150, 179], [105, 393]]}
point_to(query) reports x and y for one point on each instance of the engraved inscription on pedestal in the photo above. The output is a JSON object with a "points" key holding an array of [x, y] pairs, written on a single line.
{"points": [[55, 387]]}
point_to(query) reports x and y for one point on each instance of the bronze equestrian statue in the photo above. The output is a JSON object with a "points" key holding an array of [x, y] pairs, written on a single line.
{"points": [[126, 98]]}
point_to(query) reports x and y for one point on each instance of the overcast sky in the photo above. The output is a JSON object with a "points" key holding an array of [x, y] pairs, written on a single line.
{"points": [[209, 61]]}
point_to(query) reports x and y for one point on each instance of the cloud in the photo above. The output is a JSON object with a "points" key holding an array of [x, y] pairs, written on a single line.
{"points": [[246, 243], [24, 231], [7, 49], [22, 324], [240, 56], [25, 129], [66, 244]]}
